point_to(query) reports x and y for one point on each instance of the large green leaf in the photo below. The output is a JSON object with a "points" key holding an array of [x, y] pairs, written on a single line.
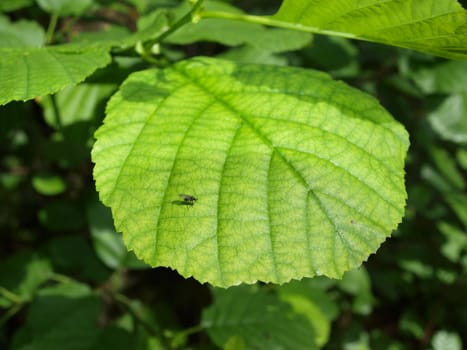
{"points": [[432, 26], [295, 174]]}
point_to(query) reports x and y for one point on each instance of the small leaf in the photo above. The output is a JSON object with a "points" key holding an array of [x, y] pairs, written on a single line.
{"points": [[436, 27], [447, 166], [443, 340], [49, 185], [458, 203], [450, 118], [455, 241], [295, 174]]}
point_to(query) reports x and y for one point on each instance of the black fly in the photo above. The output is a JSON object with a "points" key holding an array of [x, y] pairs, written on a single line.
{"points": [[188, 199]]}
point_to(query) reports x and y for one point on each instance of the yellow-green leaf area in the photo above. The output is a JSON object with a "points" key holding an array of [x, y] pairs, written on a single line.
{"points": [[294, 174], [432, 26]]}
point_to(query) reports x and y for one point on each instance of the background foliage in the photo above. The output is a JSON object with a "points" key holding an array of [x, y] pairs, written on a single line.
{"points": [[64, 270]]}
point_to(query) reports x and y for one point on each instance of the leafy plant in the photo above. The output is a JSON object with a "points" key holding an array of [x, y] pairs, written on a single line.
{"points": [[232, 167]]}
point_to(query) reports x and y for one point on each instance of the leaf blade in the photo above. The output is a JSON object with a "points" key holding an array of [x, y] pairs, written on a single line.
{"points": [[269, 183], [434, 27]]}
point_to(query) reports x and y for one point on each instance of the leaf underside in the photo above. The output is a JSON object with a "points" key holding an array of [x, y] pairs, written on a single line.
{"points": [[432, 26], [295, 174]]}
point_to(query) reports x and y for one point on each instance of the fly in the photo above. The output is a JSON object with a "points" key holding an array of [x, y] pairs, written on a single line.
{"points": [[188, 199]]}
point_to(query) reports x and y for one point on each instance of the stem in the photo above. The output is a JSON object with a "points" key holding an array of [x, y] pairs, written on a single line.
{"points": [[268, 21], [56, 112], [191, 330], [178, 339], [51, 28], [180, 23], [126, 303], [10, 313], [10, 296], [61, 278]]}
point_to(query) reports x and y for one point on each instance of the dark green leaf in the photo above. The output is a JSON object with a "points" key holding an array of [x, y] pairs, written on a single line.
{"points": [[22, 274], [62, 318], [262, 320]]}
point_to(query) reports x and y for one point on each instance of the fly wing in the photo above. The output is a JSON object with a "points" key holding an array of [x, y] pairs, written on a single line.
{"points": [[187, 197]]}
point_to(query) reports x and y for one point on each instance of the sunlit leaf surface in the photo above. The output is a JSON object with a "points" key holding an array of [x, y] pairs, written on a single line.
{"points": [[294, 174]]}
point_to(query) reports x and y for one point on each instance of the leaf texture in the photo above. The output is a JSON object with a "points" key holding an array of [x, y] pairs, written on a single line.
{"points": [[295, 174], [432, 26]]}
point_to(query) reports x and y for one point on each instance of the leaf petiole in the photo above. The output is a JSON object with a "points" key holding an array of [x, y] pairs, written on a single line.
{"points": [[269, 21]]}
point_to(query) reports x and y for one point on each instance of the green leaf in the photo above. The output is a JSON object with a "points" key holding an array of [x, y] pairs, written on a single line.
{"points": [[443, 340], [20, 34], [65, 7], [450, 118], [76, 104], [62, 317], [49, 185], [249, 54], [11, 5], [447, 166], [262, 320], [234, 33], [34, 71], [436, 27], [443, 78], [28, 72], [410, 323], [235, 342], [335, 55], [22, 274], [461, 156], [295, 174], [458, 203], [314, 304], [357, 282], [74, 255], [108, 243]]}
